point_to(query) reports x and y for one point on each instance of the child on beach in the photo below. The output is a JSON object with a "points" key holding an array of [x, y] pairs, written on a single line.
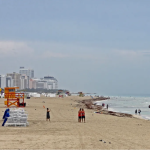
{"points": [[83, 115], [48, 115]]}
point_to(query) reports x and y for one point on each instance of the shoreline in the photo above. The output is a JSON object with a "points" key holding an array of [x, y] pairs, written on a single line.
{"points": [[89, 104]]}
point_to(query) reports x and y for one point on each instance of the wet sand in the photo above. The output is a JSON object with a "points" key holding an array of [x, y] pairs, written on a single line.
{"points": [[64, 131]]}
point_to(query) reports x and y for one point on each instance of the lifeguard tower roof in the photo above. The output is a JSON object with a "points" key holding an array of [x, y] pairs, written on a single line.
{"points": [[10, 89]]}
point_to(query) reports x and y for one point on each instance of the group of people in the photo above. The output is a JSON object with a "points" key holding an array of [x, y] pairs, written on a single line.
{"points": [[81, 115], [138, 111], [103, 105]]}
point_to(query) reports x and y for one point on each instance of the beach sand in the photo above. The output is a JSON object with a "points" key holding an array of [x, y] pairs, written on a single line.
{"points": [[64, 131]]}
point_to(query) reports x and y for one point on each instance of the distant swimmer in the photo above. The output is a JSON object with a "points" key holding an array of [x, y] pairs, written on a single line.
{"points": [[136, 111], [139, 111], [103, 105], [107, 106]]}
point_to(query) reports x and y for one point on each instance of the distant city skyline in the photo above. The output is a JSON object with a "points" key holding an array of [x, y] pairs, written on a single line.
{"points": [[25, 80], [98, 46]]}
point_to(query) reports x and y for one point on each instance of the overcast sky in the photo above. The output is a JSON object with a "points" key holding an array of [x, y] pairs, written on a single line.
{"points": [[100, 46]]}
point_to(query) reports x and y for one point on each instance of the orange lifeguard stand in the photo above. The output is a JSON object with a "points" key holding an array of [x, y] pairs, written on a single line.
{"points": [[13, 98]]}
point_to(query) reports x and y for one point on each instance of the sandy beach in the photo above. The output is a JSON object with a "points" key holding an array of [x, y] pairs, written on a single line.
{"points": [[64, 131]]}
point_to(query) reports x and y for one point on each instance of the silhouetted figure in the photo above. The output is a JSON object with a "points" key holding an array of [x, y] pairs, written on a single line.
{"points": [[107, 106], [139, 111], [48, 115], [103, 105], [136, 111]]}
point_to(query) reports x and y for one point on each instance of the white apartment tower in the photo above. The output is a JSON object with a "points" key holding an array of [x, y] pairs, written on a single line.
{"points": [[15, 79], [6, 81], [24, 81], [2, 81], [28, 72]]}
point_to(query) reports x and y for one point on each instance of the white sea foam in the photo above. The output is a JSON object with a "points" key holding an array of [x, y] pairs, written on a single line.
{"points": [[128, 105]]}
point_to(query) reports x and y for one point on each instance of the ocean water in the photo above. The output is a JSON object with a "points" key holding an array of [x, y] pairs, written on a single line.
{"points": [[128, 105]]}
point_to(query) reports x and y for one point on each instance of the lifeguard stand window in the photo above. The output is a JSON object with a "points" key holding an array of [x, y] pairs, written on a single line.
{"points": [[11, 90]]}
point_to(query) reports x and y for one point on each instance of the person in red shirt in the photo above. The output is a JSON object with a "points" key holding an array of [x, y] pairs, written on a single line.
{"points": [[83, 115], [79, 115]]}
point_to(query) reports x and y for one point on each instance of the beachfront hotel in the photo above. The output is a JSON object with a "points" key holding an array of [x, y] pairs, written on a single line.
{"points": [[47, 82]]}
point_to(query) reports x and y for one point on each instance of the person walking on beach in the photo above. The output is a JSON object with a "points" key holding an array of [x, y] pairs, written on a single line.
{"points": [[48, 115], [136, 112], [79, 115], [107, 106], [139, 111], [83, 115]]}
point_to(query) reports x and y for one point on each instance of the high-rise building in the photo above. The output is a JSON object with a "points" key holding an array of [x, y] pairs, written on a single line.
{"points": [[3, 81], [33, 83], [41, 84], [24, 81], [9, 81], [52, 82], [30, 83], [28, 72], [16, 79]]}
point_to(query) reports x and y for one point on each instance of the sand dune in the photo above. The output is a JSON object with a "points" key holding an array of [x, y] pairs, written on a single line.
{"points": [[64, 131]]}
